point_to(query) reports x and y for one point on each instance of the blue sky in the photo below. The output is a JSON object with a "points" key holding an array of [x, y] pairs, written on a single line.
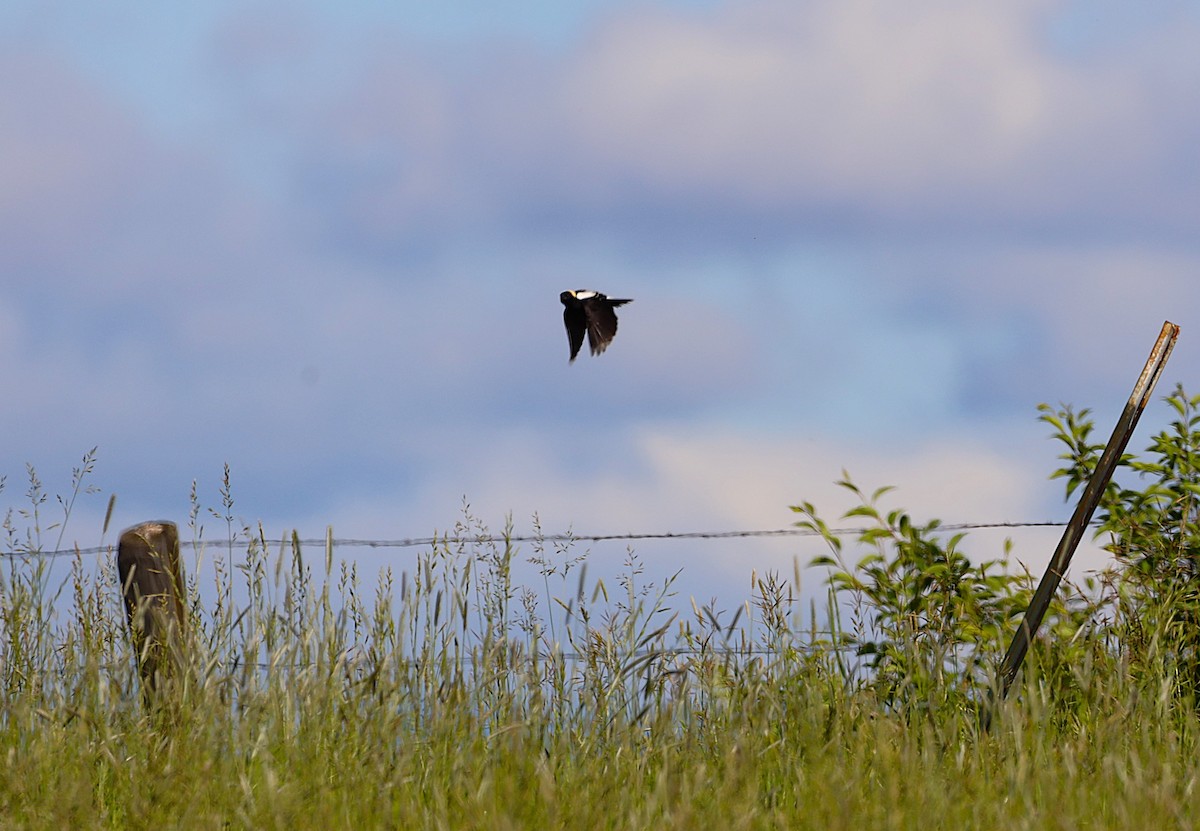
{"points": [[324, 243]]}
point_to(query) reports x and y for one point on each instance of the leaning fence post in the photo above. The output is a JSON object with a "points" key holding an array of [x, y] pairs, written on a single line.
{"points": [[152, 585], [1073, 533]]}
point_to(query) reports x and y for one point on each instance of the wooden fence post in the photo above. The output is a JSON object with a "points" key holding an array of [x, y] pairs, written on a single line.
{"points": [[152, 585], [1075, 529]]}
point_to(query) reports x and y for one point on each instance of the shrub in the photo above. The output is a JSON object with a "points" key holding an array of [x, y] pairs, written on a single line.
{"points": [[1152, 524]]}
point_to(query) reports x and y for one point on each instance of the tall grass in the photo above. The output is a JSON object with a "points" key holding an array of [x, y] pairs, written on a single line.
{"points": [[450, 696]]}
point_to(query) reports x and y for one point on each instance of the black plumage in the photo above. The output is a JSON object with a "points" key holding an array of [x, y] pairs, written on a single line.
{"points": [[591, 312]]}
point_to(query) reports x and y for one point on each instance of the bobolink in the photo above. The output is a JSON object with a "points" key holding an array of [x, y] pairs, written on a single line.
{"points": [[592, 312]]}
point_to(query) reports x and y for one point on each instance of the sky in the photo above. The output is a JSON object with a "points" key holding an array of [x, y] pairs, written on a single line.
{"points": [[323, 244]]}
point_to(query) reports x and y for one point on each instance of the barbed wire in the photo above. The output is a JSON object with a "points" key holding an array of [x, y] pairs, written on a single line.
{"points": [[492, 539]]}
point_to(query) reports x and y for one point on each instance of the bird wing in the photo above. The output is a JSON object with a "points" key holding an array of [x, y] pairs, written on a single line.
{"points": [[601, 324], [573, 319]]}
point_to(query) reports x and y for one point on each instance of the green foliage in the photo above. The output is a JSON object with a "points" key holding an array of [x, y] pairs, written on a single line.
{"points": [[1152, 530], [929, 622]]}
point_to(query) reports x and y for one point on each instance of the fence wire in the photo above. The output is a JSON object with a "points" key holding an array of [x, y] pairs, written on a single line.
{"points": [[486, 539]]}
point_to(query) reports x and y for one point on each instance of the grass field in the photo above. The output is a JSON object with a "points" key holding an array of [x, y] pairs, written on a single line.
{"points": [[451, 698]]}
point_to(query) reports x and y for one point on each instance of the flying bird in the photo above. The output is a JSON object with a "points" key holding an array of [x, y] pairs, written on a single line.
{"points": [[591, 312]]}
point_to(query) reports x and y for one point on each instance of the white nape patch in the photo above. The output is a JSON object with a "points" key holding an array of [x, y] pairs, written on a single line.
{"points": [[584, 294]]}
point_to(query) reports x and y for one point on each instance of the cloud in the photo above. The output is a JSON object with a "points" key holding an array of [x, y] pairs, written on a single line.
{"points": [[937, 117], [712, 478], [692, 125], [1056, 320], [61, 183], [691, 128], [768, 99]]}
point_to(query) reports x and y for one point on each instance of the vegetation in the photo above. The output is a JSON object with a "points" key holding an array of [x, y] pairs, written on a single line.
{"points": [[454, 698]]}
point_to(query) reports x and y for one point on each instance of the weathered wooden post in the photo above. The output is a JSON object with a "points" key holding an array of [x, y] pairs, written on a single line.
{"points": [[152, 585], [1075, 529]]}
